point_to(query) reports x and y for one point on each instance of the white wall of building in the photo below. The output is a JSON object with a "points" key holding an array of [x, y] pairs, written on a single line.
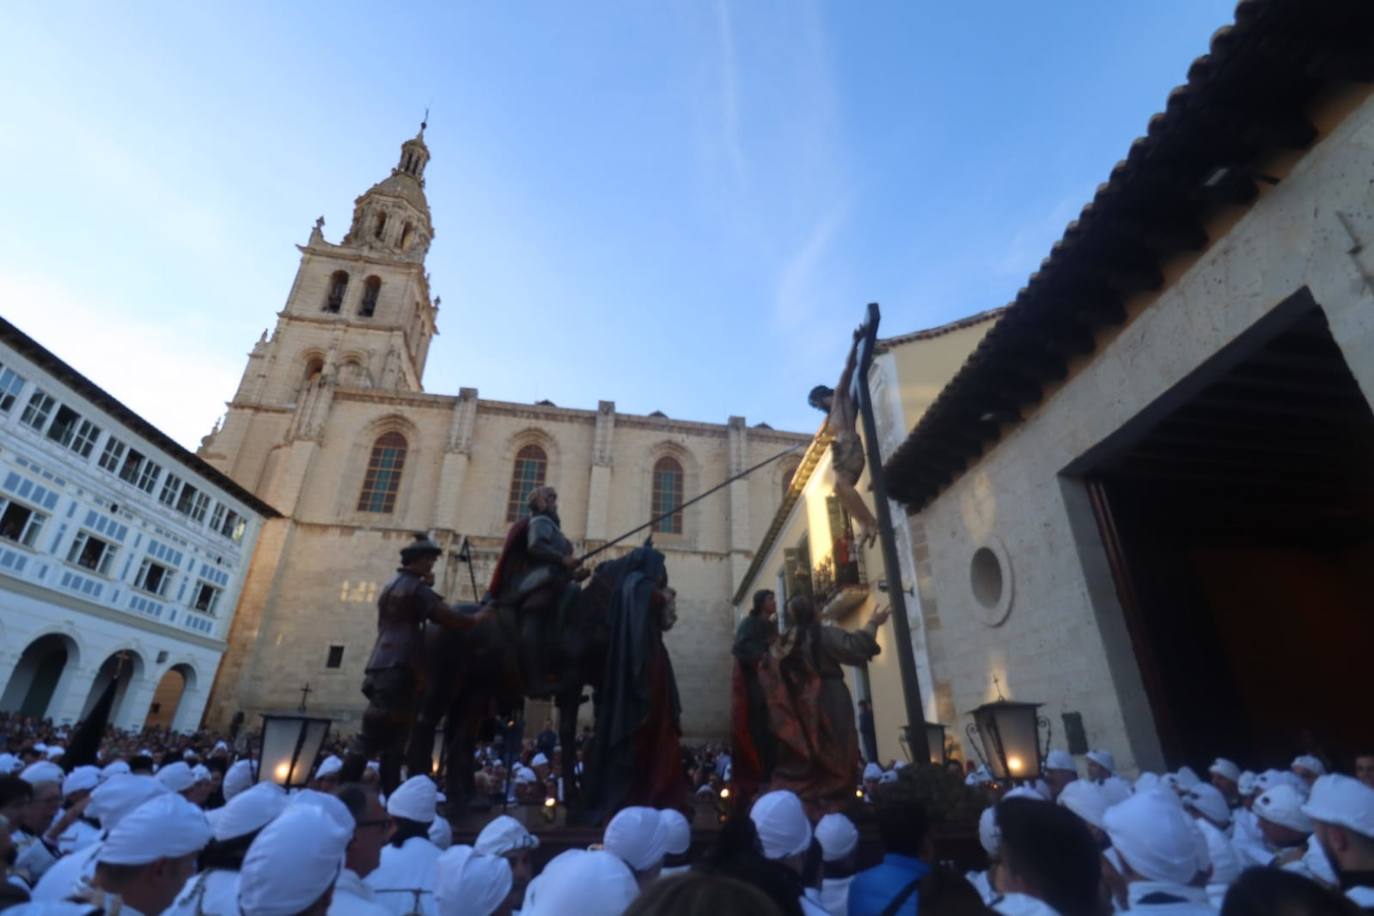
{"points": [[73, 493]]}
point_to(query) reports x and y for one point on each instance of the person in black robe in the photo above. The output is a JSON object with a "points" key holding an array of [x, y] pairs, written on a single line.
{"points": [[636, 750], [753, 746]]}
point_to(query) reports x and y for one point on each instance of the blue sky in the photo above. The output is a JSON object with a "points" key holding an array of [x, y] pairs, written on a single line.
{"points": [[678, 206]]}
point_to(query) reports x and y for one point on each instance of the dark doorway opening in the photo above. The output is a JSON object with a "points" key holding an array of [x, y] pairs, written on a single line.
{"points": [[1238, 516]]}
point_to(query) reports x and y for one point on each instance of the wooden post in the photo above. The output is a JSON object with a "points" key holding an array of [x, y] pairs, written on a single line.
{"points": [[892, 568]]}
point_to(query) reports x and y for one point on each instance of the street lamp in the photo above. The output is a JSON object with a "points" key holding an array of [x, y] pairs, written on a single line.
{"points": [[1005, 735], [291, 743], [935, 741]]}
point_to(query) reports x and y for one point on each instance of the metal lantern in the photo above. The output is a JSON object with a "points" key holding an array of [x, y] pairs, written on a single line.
{"points": [[1006, 736], [935, 742], [291, 743]]}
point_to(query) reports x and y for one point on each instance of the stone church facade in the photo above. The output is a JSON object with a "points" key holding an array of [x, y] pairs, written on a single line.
{"points": [[331, 426]]}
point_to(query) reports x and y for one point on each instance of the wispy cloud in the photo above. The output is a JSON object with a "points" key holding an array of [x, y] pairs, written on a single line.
{"points": [[175, 380], [797, 297], [729, 91]]}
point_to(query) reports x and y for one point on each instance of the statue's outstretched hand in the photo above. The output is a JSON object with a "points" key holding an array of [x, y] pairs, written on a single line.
{"points": [[581, 573], [880, 617]]}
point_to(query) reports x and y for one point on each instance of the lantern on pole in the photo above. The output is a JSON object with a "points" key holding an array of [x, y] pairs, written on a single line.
{"points": [[1006, 736], [291, 743]]}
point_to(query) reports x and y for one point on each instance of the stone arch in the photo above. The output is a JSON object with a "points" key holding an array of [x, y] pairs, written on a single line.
{"points": [[553, 472], [125, 663], [354, 371], [312, 363], [33, 688], [782, 478], [361, 452], [178, 681], [691, 486]]}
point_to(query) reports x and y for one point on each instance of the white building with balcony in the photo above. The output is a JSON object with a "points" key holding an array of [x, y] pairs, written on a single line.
{"points": [[121, 553]]}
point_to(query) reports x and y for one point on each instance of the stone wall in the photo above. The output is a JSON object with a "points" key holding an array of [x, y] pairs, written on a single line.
{"points": [[1058, 636]]}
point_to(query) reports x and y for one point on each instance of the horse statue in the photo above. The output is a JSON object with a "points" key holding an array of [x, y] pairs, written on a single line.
{"points": [[474, 673]]}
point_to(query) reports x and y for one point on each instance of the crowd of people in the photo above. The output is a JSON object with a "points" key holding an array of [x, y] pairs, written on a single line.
{"points": [[181, 825]]}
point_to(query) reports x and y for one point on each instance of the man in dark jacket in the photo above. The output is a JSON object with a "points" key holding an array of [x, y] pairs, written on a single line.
{"points": [[394, 678]]}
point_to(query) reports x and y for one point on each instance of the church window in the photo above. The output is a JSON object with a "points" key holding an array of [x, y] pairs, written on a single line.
{"points": [[381, 225], [335, 659], [667, 495], [10, 384], [371, 289], [383, 478], [405, 235], [338, 285], [37, 410], [531, 464], [314, 368]]}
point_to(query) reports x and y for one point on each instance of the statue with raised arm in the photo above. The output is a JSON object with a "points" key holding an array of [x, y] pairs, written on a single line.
{"points": [[846, 448], [810, 710], [394, 679]]}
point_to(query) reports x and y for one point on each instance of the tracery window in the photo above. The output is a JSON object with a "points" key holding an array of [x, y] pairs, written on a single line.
{"points": [[531, 464], [667, 495], [383, 479]]}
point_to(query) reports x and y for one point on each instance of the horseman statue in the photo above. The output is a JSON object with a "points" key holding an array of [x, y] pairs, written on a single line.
{"points": [[536, 575]]}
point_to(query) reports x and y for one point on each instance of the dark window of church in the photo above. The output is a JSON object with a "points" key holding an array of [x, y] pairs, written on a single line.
{"points": [[383, 478], [338, 285], [381, 225], [530, 466], [667, 495], [405, 234], [335, 659], [371, 289]]}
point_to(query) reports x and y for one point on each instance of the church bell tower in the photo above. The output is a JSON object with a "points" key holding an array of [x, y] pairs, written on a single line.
{"points": [[359, 315]]}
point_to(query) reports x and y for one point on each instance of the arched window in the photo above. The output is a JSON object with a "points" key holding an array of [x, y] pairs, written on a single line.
{"points": [[405, 235], [667, 495], [381, 225], [530, 466], [371, 288], [383, 478], [313, 368], [338, 285]]}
